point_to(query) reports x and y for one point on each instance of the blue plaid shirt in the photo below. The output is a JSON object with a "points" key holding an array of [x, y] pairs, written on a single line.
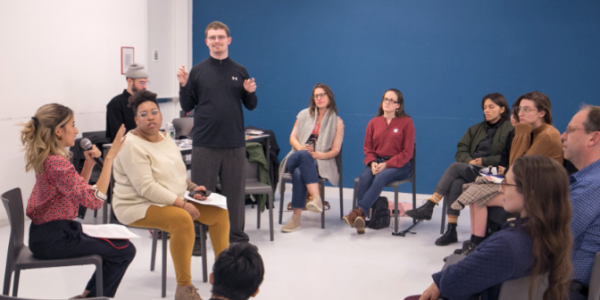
{"points": [[585, 223]]}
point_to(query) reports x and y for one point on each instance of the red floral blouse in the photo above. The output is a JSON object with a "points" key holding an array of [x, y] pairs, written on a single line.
{"points": [[59, 191]]}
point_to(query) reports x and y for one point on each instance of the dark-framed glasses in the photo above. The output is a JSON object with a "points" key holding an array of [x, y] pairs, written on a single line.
{"points": [[321, 95], [505, 184], [388, 100]]}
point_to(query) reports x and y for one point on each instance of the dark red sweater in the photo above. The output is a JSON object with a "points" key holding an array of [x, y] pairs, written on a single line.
{"points": [[396, 140]]}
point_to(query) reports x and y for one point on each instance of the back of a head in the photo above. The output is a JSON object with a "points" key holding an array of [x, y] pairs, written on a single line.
{"points": [[39, 138], [238, 272], [544, 184]]}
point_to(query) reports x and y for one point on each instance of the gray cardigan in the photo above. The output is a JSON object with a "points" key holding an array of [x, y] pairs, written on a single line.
{"points": [[306, 123]]}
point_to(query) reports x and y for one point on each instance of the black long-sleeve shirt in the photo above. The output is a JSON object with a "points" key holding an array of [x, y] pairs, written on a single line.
{"points": [[215, 88], [117, 113]]}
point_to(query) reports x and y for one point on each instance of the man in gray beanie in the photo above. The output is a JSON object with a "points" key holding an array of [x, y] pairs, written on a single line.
{"points": [[117, 111]]}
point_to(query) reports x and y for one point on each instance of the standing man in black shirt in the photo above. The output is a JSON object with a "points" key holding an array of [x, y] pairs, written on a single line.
{"points": [[117, 111], [215, 87]]}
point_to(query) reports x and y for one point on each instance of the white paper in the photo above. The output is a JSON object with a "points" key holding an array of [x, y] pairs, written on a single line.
{"points": [[254, 132], [108, 231], [213, 199]]}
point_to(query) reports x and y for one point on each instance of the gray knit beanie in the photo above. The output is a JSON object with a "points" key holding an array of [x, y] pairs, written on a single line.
{"points": [[136, 71]]}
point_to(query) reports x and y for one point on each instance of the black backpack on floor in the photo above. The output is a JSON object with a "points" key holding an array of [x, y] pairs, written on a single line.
{"points": [[380, 215]]}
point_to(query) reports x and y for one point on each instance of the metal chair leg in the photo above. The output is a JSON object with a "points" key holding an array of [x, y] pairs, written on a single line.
{"points": [[444, 208], [354, 196], [164, 264], [153, 256], [270, 195], [281, 202], [341, 201], [322, 187], [16, 282], [258, 214], [203, 250]]}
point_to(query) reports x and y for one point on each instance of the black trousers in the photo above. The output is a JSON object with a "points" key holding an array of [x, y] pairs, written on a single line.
{"points": [[64, 239], [229, 166]]}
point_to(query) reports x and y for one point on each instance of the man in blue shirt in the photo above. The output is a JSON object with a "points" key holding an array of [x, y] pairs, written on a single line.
{"points": [[581, 145]]}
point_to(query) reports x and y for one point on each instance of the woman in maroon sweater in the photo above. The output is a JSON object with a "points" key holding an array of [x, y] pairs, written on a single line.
{"points": [[389, 146]]}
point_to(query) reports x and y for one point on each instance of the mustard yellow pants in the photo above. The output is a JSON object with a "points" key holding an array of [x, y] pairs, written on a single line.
{"points": [[180, 225]]}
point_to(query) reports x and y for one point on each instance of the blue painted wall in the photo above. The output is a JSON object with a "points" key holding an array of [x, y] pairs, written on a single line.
{"points": [[443, 55]]}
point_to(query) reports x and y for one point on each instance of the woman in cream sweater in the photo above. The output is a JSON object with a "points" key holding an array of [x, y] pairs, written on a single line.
{"points": [[150, 183]]}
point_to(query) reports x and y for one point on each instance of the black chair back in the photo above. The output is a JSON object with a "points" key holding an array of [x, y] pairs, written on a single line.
{"points": [[13, 203]]}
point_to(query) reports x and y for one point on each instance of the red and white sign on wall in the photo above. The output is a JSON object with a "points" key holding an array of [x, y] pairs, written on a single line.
{"points": [[127, 58]]}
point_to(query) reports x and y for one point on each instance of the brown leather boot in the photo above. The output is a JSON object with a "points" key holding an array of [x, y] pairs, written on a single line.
{"points": [[351, 217]]}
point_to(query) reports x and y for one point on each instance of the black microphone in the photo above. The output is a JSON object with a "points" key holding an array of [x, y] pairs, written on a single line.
{"points": [[86, 144]]}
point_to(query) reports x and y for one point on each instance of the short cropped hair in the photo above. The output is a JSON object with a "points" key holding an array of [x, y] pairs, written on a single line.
{"points": [[592, 123], [216, 25], [238, 272], [140, 97]]}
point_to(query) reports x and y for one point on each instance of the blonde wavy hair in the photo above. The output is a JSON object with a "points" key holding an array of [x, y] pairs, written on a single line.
{"points": [[38, 138]]}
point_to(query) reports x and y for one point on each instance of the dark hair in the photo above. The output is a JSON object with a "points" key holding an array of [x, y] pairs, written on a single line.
{"points": [[544, 184], [592, 122], [542, 102], [216, 25], [238, 272], [400, 111], [499, 100], [311, 102], [140, 97]]}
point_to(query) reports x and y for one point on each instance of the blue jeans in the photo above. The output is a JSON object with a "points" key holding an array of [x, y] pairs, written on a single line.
{"points": [[304, 171], [370, 186]]}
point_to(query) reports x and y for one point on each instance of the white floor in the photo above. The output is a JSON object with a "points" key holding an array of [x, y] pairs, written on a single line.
{"points": [[312, 263]]}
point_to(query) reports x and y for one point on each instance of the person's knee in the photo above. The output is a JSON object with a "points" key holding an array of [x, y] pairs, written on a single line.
{"points": [[180, 222], [130, 252]]}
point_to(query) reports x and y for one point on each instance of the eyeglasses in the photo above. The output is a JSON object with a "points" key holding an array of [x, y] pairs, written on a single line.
{"points": [[321, 95], [570, 130], [216, 37], [144, 114], [504, 184], [144, 82], [388, 100], [524, 109]]}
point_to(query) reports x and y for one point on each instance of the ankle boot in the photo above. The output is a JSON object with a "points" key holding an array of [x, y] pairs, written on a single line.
{"points": [[422, 212], [189, 292], [315, 205], [449, 237], [292, 225]]}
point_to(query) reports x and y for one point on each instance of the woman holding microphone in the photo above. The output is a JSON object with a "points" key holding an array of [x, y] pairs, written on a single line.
{"points": [[58, 192]]}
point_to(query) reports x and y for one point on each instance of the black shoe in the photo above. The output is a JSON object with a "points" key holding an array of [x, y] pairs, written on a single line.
{"points": [[466, 245], [450, 237], [197, 251], [469, 249], [422, 212]]}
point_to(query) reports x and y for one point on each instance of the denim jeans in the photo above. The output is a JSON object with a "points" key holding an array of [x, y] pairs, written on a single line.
{"points": [[304, 171], [370, 186], [450, 184]]}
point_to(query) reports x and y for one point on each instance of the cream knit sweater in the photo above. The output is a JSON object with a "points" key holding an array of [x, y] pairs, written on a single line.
{"points": [[145, 174]]}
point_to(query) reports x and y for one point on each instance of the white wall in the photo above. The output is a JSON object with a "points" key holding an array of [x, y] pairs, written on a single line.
{"points": [[68, 51]]}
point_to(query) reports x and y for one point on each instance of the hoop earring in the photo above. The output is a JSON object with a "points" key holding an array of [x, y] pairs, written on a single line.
{"points": [[59, 137]]}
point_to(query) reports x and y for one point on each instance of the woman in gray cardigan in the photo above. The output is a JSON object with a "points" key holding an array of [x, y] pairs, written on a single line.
{"points": [[316, 140]]}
